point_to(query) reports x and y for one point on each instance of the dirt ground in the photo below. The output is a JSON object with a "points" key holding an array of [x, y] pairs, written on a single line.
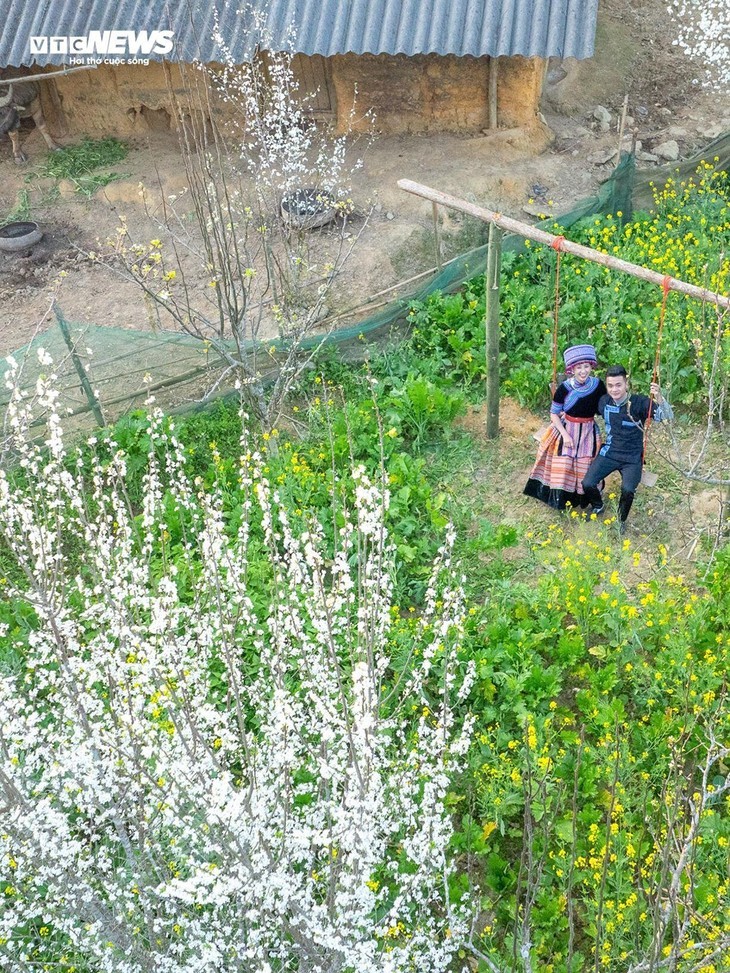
{"points": [[503, 170]]}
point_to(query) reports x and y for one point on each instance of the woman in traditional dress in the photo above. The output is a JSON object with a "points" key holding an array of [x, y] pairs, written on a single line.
{"points": [[570, 444]]}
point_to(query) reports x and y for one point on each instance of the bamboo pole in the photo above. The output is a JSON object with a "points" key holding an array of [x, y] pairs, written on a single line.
{"points": [[491, 288], [567, 246], [48, 75]]}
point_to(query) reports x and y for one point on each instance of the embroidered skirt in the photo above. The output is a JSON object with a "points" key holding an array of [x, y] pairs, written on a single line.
{"points": [[557, 475]]}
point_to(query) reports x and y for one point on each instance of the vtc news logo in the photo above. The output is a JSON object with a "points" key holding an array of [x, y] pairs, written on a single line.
{"points": [[119, 42]]}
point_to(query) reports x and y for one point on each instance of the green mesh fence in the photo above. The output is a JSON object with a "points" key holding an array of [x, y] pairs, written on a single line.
{"points": [[717, 153], [122, 367]]}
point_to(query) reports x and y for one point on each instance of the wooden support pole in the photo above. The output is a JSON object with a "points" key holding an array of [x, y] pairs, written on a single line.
{"points": [[94, 404], [46, 76], [492, 122], [437, 236], [491, 289], [567, 246]]}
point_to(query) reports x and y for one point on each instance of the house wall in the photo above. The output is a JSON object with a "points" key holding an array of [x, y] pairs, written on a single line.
{"points": [[426, 93], [121, 100], [429, 92]]}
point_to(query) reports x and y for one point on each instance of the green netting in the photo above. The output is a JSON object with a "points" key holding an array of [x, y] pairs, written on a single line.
{"points": [[614, 196], [124, 367], [717, 153]]}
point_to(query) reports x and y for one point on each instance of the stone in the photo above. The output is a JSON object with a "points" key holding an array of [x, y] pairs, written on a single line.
{"points": [[604, 126], [628, 140], [556, 74], [601, 114], [320, 314], [67, 188], [630, 121], [714, 131], [667, 150], [390, 215], [535, 209], [647, 157], [601, 158], [677, 132]]}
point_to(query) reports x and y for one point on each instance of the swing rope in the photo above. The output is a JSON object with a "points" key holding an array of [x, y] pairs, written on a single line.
{"points": [[557, 247], [655, 373]]}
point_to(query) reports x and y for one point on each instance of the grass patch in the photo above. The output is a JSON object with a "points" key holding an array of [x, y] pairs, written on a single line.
{"points": [[20, 212], [80, 164]]}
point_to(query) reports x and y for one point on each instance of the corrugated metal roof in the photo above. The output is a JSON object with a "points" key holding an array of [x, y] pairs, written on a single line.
{"points": [[533, 28]]}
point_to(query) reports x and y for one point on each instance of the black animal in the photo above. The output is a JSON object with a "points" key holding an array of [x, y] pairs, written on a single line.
{"points": [[19, 98]]}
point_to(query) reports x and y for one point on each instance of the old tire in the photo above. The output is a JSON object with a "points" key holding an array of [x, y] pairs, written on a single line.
{"points": [[19, 236], [307, 209]]}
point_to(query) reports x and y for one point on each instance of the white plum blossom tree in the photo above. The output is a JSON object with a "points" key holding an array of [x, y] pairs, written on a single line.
{"points": [[209, 759], [703, 32], [230, 263]]}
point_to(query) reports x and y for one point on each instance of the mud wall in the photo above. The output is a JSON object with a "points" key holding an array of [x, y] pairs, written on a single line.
{"points": [[425, 93], [429, 92], [519, 89], [121, 100], [134, 99]]}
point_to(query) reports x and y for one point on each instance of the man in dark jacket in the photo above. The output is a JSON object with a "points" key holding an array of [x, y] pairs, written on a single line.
{"points": [[624, 416]]}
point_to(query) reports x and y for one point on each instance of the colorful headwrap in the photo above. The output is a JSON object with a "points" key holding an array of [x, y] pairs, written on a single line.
{"points": [[577, 354]]}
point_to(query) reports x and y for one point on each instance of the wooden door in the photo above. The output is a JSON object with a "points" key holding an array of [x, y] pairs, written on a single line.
{"points": [[314, 74]]}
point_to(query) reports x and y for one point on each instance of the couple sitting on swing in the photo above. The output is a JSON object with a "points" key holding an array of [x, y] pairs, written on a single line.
{"points": [[571, 461]]}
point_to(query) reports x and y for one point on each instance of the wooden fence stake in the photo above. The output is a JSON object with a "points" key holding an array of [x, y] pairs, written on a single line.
{"points": [[91, 398], [437, 234], [621, 127], [491, 288]]}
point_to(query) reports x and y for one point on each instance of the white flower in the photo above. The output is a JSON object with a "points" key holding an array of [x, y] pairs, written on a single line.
{"points": [[200, 772]]}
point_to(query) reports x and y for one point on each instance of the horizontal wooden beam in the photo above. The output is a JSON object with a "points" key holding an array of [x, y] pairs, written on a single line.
{"points": [[566, 246]]}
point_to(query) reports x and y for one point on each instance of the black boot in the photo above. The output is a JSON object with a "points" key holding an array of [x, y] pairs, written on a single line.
{"points": [[594, 498], [624, 505]]}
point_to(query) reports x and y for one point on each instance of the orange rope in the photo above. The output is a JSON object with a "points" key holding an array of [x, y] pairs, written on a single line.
{"points": [[655, 373], [556, 245]]}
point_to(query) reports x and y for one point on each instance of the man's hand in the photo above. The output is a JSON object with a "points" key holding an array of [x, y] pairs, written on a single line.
{"points": [[656, 393]]}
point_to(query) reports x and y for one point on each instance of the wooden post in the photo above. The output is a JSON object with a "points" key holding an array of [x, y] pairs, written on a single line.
{"points": [[91, 398], [492, 94], [621, 127], [491, 289], [437, 234]]}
